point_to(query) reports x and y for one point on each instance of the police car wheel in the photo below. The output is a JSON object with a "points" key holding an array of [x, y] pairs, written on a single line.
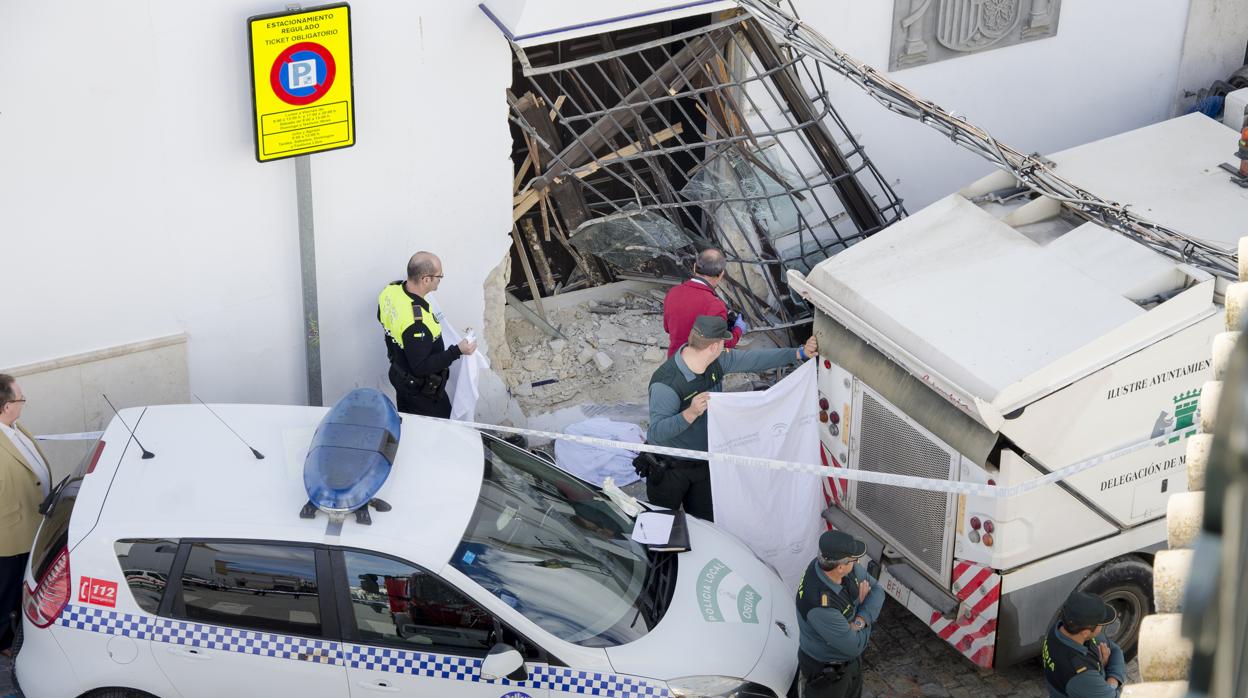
{"points": [[117, 693], [1125, 584]]}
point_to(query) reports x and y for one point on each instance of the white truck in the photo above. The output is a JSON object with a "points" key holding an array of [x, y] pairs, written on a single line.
{"points": [[993, 337]]}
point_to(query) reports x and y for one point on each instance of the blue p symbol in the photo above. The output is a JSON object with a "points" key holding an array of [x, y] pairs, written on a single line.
{"points": [[301, 74]]}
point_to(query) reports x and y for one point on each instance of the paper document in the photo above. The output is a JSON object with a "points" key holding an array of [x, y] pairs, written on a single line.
{"points": [[653, 528]]}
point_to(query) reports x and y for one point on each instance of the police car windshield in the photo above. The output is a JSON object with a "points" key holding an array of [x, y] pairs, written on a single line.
{"points": [[556, 550]]}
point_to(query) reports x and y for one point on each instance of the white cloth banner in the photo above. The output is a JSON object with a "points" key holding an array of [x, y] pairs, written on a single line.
{"points": [[596, 463], [777, 513], [462, 384]]}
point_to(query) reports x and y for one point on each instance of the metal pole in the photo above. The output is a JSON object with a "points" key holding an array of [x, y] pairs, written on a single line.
{"points": [[307, 266]]}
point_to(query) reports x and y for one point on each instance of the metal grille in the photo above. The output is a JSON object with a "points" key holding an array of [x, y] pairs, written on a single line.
{"points": [[916, 522], [636, 151]]}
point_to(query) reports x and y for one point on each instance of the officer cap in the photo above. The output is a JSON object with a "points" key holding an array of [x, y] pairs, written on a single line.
{"points": [[712, 327], [839, 545], [1084, 610]]}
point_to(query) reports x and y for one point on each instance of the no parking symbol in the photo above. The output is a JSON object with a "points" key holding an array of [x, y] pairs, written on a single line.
{"points": [[302, 73], [301, 81]]}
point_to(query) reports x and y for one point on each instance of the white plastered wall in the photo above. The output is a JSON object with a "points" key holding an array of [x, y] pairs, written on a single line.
{"points": [[1213, 46], [1112, 67]]}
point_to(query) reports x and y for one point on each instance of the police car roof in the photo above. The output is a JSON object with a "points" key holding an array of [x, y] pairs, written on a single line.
{"points": [[204, 483]]}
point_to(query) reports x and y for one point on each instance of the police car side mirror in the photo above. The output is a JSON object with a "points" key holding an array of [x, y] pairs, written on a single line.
{"points": [[503, 661]]}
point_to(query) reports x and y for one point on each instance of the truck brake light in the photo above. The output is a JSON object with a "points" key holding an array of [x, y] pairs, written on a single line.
{"points": [[44, 603]]}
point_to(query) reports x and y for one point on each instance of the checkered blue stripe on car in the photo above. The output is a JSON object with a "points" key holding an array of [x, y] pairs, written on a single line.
{"points": [[176, 632], [560, 679], [145, 627]]}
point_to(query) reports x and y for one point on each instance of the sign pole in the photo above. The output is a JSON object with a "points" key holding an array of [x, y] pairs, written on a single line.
{"points": [[302, 95], [307, 268]]}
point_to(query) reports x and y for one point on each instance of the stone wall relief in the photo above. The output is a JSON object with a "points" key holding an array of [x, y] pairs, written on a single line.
{"points": [[927, 31]]}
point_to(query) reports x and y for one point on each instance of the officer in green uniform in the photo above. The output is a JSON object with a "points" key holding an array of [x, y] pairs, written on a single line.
{"points": [[837, 606], [1078, 662], [679, 392], [419, 360]]}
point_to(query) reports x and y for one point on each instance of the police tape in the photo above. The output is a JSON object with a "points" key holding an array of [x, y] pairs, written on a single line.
{"points": [[81, 436], [925, 484]]}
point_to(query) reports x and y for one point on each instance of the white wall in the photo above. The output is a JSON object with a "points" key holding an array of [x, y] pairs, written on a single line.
{"points": [[131, 205], [1112, 67], [1213, 48]]}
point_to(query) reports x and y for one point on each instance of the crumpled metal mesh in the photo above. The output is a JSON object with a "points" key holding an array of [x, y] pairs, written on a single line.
{"points": [[631, 238], [751, 193]]}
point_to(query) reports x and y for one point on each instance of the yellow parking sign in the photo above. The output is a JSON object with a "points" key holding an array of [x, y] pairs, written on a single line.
{"points": [[301, 81]]}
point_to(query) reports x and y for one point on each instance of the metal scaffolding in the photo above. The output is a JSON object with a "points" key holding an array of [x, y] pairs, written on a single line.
{"points": [[635, 156]]}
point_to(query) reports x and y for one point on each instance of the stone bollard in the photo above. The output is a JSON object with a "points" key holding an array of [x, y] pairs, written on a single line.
{"points": [[1184, 512], [1197, 460], [1210, 393], [1170, 571], [1223, 345], [1236, 302], [1165, 655]]}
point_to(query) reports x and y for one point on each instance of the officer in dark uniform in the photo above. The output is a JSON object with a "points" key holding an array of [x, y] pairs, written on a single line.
{"points": [[419, 360], [837, 606], [1078, 663], [680, 391]]}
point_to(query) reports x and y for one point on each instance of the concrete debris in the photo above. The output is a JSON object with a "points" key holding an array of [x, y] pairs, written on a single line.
{"points": [[607, 359], [603, 362], [587, 354]]}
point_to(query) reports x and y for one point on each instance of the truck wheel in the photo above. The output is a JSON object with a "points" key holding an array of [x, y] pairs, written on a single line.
{"points": [[1127, 585]]}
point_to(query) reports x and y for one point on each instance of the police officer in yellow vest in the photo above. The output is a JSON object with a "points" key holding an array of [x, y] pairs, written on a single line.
{"points": [[419, 360]]}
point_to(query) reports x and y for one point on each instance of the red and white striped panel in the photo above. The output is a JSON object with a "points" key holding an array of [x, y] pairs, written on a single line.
{"points": [[974, 631], [834, 488]]}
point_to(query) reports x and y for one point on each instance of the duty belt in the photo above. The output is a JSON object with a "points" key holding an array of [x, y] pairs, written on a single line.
{"points": [[428, 385]]}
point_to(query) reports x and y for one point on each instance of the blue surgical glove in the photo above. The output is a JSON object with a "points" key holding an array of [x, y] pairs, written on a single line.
{"points": [[740, 325]]}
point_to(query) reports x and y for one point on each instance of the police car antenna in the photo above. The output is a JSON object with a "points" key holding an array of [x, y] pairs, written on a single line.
{"points": [[257, 454], [146, 453]]}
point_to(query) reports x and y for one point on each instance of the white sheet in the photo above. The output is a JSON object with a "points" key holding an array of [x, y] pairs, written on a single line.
{"points": [[595, 463], [462, 385], [778, 514]]}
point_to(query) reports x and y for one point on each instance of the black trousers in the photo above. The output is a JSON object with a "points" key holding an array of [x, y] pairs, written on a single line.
{"points": [[439, 406], [821, 681], [416, 403], [12, 571], [682, 482]]}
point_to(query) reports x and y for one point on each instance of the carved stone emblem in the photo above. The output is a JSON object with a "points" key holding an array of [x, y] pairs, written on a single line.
{"points": [[970, 25], [926, 31]]}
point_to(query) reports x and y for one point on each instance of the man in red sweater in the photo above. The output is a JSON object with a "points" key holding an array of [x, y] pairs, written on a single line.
{"points": [[695, 297]]}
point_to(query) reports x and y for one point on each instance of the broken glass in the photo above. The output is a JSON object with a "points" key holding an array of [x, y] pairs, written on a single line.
{"points": [[631, 238]]}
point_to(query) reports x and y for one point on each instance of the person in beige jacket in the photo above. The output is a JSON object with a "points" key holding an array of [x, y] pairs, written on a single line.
{"points": [[24, 481]]}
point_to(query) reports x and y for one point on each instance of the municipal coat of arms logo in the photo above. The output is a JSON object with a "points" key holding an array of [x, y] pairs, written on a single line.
{"points": [[970, 25]]}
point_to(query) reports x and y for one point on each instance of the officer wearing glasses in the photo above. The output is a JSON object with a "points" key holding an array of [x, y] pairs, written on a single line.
{"points": [[837, 606], [419, 360]]}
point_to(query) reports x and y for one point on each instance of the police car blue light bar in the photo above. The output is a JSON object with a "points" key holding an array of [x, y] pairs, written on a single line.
{"points": [[351, 454]]}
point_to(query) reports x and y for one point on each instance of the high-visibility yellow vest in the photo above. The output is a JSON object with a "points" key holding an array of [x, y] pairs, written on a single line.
{"points": [[397, 311]]}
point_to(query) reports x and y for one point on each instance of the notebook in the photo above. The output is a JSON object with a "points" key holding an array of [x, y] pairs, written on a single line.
{"points": [[662, 531]]}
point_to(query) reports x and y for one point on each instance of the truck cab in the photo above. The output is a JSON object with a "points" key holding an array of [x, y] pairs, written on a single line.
{"points": [[996, 336]]}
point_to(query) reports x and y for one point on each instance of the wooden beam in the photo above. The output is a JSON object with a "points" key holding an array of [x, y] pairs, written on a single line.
{"points": [[528, 271], [539, 257]]}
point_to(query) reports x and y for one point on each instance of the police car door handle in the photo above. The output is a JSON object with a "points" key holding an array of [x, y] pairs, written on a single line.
{"points": [[379, 685], [189, 653]]}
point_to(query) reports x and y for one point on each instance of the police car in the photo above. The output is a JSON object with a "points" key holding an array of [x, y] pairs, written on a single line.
{"points": [[357, 554]]}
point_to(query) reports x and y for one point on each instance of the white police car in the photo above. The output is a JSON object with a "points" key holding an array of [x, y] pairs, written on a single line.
{"points": [[204, 570]]}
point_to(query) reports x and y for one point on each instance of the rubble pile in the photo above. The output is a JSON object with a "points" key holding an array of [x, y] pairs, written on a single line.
{"points": [[607, 353]]}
